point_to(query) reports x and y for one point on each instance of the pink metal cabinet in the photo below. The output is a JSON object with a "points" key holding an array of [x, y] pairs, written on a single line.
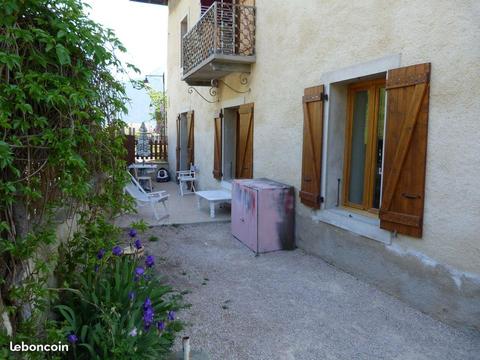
{"points": [[263, 214]]}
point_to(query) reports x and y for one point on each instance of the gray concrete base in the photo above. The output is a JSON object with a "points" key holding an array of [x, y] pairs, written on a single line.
{"points": [[431, 289]]}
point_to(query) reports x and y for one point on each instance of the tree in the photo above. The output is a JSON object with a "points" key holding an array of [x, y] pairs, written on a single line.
{"points": [[61, 147], [158, 102]]}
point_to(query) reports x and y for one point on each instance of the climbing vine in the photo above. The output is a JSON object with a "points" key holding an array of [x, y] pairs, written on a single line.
{"points": [[61, 151]]}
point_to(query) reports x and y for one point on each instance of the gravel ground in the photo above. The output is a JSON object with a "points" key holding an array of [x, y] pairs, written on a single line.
{"points": [[289, 305]]}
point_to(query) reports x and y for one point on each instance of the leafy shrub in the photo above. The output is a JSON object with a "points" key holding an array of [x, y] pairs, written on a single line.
{"points": [[119, 309], [61, 151]]}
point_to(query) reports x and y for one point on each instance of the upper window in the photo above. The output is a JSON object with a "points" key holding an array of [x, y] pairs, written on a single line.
{"points": [[183, 31], [205, 4], [364, 145]]}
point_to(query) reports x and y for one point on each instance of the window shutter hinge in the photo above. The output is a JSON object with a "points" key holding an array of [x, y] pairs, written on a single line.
{"points": [[322, 199], [324, 97]]}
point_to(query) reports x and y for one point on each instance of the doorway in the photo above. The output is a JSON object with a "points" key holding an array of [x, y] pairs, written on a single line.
{"points": [[185, 150], [237, 145], [230, 119]]}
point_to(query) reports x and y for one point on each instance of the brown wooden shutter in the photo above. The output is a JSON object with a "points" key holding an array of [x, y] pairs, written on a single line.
{"points": [[312, 146], [405, 150], [244, 151], [129, 143], [190, 138], [177, 149], [217, 149]]}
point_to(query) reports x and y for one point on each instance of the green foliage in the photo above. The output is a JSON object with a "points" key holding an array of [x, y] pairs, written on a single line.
{"points": [[61, 151], [106, 308], [140, 225], [158, 103]]}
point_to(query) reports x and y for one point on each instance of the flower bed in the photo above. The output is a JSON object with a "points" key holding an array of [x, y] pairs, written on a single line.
{"points": [[118, 308]]}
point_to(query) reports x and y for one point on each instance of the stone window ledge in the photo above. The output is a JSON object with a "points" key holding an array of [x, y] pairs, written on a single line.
{"points": [[354, 222]]}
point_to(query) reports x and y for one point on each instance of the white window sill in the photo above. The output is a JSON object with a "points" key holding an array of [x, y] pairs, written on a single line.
{"points": [[354, 222]]}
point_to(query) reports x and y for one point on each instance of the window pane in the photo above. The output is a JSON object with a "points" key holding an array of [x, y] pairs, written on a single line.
{"points": [[358, 147], [379, 149]]}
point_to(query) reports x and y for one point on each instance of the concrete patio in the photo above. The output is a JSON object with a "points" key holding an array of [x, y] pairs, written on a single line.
{"points": [[288, 305], [182, 209]]}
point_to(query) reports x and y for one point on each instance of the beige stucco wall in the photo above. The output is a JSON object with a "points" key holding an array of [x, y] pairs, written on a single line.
{"points": [[299, 41]]}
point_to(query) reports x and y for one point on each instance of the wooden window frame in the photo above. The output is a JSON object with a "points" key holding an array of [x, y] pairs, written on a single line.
{"points": [[373, 87]]}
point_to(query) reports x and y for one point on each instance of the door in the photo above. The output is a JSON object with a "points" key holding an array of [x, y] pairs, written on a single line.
{"points": [[190, 139], [229, 143], [182, 150], [244, 151], [244, 214], [177, 149]]}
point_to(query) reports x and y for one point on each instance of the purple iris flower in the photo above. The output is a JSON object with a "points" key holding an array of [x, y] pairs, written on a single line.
{"points": [[131, 295], [101, 254], [148, 315], [138, 244], [139, 271], [147, 304], [161, 325], [132, 233], [96, 268], [150, 261], [171, 315], [72, 338], [117, 250]]}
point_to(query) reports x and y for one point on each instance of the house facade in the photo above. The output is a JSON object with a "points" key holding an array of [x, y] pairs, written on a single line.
{"points": [[369, 109]]}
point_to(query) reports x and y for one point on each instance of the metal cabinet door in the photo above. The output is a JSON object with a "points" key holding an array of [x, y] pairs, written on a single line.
{"points": [[244, 215]]}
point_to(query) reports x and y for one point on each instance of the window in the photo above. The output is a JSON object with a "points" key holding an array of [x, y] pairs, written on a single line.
{"points": [[363, 161], [183, 31], [364, 145], [205, 5]]}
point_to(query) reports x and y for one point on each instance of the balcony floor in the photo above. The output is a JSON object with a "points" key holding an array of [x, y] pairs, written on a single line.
{"points": [[217, 66]]}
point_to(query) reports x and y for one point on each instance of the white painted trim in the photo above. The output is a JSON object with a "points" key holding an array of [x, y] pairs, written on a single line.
{"points": [[360, 70], [354, 222], [237, 101]]}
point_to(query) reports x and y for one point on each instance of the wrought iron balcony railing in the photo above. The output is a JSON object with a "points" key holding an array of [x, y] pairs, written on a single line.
{"points": [[221, 42]]}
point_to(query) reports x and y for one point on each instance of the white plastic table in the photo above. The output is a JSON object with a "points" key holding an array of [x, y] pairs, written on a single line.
{"points": [[213, 197], [140, 168]]}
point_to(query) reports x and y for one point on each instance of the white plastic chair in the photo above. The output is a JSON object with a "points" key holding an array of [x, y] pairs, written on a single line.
{"points": [[187, 176], [135, 190]]}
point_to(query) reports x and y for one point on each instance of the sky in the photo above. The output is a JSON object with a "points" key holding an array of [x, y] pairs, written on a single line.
{"points": [[142, 29]]}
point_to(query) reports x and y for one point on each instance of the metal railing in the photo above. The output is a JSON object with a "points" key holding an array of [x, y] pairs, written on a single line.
{"points": [[224, 29]]}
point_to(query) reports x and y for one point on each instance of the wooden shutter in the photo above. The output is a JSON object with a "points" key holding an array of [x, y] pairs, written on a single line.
{"points": [[405, 150], [217, 149], [190, 139], [129, 143], [177, 149], [244, 151], [312, 146]]}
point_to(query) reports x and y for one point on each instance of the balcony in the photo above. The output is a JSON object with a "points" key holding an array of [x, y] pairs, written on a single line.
{"points": [[220, 43]]}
